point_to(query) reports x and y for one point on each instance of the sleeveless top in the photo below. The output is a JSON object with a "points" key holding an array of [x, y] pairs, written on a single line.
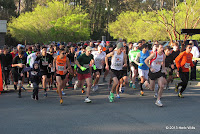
{"points": [[61, 65], [142, 59], [157, 62], [117, 61]]}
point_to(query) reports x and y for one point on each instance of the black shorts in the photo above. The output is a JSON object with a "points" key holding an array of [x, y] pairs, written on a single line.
{"points": [[154, 76], [16, 76], [133, 64], [124, 73], [97, 70], [46, 73], [171, 71], [62, 76], [117, 73]]}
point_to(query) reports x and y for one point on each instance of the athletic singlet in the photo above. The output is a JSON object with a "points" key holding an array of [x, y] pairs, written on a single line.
{"points": [[61, 65], [157, 62], [142, 59], [98, 58], [117, 61]]}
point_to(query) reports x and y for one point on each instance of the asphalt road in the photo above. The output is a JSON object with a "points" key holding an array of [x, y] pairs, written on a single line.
{"points": [[131, 114]]}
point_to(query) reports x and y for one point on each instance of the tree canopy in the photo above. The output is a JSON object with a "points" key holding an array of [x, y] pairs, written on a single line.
{"points": [[56, 21]]}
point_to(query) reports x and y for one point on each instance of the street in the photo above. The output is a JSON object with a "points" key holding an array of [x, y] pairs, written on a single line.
{"points": [[129, 114]]}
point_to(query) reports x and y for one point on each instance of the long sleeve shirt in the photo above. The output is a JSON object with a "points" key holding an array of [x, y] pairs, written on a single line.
{"points": [[184, 60], [195, 52]]}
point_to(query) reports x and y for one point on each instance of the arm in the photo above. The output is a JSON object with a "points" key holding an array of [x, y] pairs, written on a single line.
{"points": [[137, 58], [178, 59], [148, 59], [69, 66], [106, 59], [125, 60]]}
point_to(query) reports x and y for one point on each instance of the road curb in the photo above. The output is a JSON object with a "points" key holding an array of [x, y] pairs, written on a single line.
{"points": [[190, 83]]}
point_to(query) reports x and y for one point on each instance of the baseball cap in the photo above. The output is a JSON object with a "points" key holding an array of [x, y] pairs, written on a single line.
{"points": [[88, 48], [119, 45]]}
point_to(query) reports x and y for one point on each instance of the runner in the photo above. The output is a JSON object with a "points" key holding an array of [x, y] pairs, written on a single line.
{"points": [[133, 67], [35, 77], [18, 64], [6, 61], [157, 72], [62, 65], [143, 69], [118, 61], [84, 62], [99, 61], [183, 63], [45, 61]]}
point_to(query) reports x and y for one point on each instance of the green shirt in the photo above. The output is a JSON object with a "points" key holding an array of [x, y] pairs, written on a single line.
{"points": [[132, 55], [84, 61]]}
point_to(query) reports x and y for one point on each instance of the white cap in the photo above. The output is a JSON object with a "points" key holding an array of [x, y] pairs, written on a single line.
{"points": [[135, 45]]}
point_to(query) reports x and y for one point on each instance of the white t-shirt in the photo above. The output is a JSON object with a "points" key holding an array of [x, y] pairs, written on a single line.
{"points": [[98, 58], [32, 58]]}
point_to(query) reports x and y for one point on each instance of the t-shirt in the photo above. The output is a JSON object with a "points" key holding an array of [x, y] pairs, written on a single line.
{"points": [[132, 55], [44, 61], [98, 58], [18, 60], [71, 58], [6, 60], [84, 61]]}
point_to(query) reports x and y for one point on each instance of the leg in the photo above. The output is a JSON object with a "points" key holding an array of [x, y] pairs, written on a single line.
{"points": [[60, 85], [44, 79], [97, 76], [184, 77], [89, 84], [161, 87]]}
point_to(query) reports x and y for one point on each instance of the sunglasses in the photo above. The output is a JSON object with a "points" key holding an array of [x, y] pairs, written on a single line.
{"points": [[63, 53], [190, 47]]}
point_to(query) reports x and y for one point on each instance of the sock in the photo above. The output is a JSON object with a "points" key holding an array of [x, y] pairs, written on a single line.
{"points": [[141, 86]]}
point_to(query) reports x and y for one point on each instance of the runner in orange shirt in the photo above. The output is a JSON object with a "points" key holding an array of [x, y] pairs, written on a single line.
{"points": [[183, 63], [62, 65]]}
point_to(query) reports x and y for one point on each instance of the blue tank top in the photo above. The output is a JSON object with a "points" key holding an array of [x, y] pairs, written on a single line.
{"points": [[142, 59]]}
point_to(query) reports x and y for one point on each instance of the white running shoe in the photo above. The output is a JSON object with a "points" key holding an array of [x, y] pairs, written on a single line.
{"points": [[63, 93], [95, 88], [32, 85], [159, 103], [76, 85], [87, 100]]}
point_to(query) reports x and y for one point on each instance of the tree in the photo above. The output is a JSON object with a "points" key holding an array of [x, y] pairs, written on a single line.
{"points": [[57, 21], [7, 9]]}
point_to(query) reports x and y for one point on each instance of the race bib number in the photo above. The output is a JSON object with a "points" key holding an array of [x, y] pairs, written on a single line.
{"points": [[159, 63], [187, 65], [33, 73], [118, 64], [44, 63], [86, 65], [61, 68]]}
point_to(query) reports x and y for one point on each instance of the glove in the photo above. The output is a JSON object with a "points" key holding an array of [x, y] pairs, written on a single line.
{"points": [[75, 66], [94, 67], [180, 69], [83, 68], [140, 64]]}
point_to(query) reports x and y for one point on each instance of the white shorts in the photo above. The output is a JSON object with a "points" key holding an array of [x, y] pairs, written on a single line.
{"points": [[143, 73]]}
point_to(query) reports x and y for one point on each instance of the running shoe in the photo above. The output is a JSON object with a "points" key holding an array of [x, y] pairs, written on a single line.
{"points": [[180, 95], [141, 93], [130, 84], [104, 80], [87, 100], [36, 97], [111, 97], [156, 95], [61, 101], [95, 88], [31, 84], [83, 91], [63, 93], [19, 95], [122, 89], [33, 97], [159, 103], [133, 86], [45, 94], [176, 88], [117, 96], [76, 85], [167, 87]]}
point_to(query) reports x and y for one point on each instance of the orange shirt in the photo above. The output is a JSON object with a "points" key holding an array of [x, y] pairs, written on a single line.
{"points": [[61, 65], [184, 60]]}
